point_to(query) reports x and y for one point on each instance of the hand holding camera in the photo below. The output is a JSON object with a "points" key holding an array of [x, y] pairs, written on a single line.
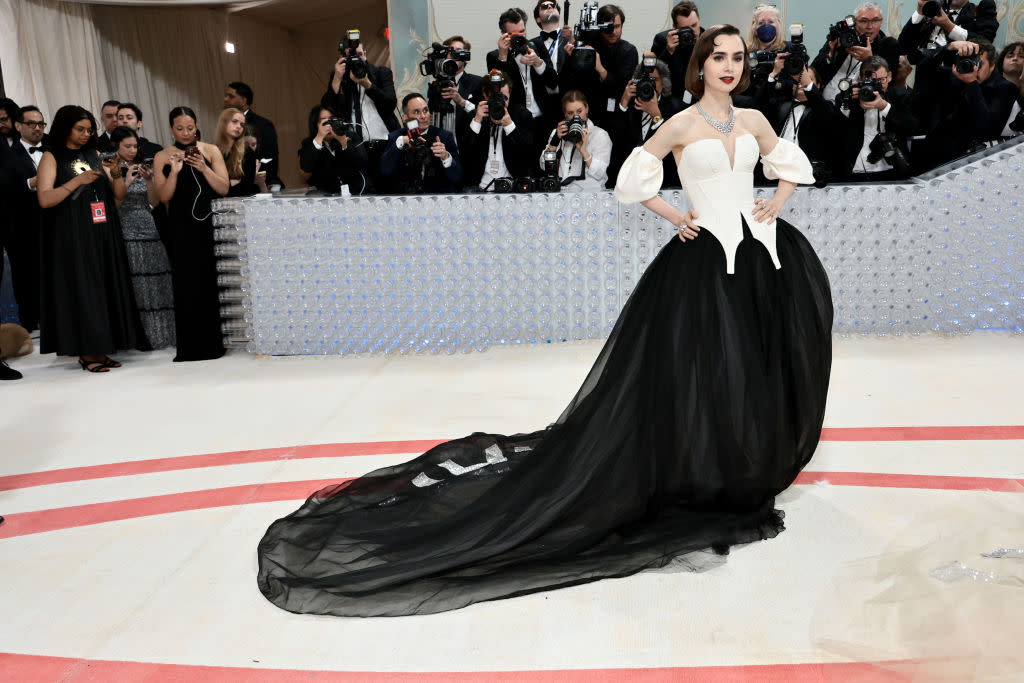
{"points": [[861, 52], [482, 112], [439, 150]]}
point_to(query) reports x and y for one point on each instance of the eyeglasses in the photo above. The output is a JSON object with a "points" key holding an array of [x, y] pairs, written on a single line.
{"points": [[548, 4], [34, 124], [865, 20]]}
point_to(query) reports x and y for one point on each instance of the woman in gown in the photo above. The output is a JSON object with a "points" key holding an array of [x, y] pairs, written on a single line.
{"points": [[88, 307], [151, 271], [189, 175], [705, 402]]}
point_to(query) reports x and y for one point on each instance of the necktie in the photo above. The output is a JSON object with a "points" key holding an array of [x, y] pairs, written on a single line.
{"points": [[37, 148]]}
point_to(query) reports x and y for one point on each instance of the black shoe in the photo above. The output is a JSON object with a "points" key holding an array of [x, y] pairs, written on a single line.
{"points": [[7, 372]]}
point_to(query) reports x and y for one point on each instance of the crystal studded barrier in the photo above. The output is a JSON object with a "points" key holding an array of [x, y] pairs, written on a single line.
{"points": [[457, 273]]}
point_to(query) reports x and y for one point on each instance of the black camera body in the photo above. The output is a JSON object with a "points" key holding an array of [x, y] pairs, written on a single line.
{"points": [[497, 106], [525, 184], [932, 8], [586, 34], [869, 87], [646, 87], [686, 36], [550, 182], [341, 127], [845, 31], [442, 62], [519, 44], [963, 65], [357, 65], [887, 146], [798, 59], [347, 46], [503, 185], [107, 156], [762, 62], [576, 126]]}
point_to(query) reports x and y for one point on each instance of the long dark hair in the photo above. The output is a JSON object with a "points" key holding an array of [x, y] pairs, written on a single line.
{"points": [[703, 49], [65, 119], [181, 111], [122, 133], [314, 115]]}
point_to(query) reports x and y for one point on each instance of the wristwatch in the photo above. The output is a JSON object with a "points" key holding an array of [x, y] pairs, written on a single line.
{"points": [[655, 120]]}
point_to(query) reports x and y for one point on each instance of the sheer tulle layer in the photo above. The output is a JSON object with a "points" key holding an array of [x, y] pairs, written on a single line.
{"points": [[706, 401]]}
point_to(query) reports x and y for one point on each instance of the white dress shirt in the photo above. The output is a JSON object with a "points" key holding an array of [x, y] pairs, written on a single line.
{"points": [[495, 166], [873, 120], [938, 36], [599, 146], [525, 73], [375, 128], [34, 157], [850, 68]]}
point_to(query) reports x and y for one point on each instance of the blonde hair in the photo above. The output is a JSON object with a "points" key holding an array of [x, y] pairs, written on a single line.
{"points": [[233, 151], [779, 42]]}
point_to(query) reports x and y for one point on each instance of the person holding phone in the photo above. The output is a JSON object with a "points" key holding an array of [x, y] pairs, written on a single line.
{"points": [[147, 258], [189, 175], [88, 306]]}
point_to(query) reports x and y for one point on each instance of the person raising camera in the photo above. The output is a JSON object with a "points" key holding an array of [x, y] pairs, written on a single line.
{"points": [[457, 99], [530, 73], [499, 140], [936, 24], [328, 160], [865, 38], [584, 150], [675, 45], [420, 158]]}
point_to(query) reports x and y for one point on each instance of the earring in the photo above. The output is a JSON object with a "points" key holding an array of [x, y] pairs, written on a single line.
{"points": [[701, 75]]}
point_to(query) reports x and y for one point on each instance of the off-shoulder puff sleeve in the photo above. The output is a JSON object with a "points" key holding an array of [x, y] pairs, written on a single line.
{"points": [[788, 162], [639, 178]]}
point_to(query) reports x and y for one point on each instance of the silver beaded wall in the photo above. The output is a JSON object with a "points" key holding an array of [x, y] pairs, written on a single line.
{"points": [[457, 273]]}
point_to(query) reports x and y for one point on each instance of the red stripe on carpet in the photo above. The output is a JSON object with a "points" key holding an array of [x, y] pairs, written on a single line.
{"points": [[341, 450], [40, 521], [40, 669]]}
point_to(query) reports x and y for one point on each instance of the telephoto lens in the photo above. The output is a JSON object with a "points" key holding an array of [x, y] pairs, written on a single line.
{"points": [[576, 126], [686, 36]]}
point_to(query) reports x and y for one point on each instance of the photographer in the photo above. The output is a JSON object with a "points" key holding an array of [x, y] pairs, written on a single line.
{"points": [[530, 73], [969, 102], [936, 23], [1010, 64], [645, 104], [864, 38], [880, 119], [499, 141], [328, 160], [614, 63], [769, 50], [455, 102], [553, 36], [675, 45], [418, 157], [584, 150]]}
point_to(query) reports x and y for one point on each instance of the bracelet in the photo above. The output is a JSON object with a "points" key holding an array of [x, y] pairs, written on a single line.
{"points": [[115, 172]]}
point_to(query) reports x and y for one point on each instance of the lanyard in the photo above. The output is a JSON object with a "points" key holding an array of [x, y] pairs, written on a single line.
{"points": [[553, 50]]}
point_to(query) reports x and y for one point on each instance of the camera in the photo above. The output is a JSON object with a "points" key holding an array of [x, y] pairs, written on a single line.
{"points": [[586, 33], [822, 173], [419, 149], [442, 63], [762, 62], [686, 36], [107, 156], [347, 46], [963, 65], [503, 185], [519, 45], [869, 87], [933, 9], [341, 127], [644, 83], [497, 106], [887, 146], [524, 185], [550, 182], [798, 57], [576, 126], [846, 32]]}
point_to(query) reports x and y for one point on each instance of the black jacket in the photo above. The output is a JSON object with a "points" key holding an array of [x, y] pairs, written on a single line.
{"points": [[431, 177], [382, 94], [268, 145], [469, 86], [559, 57], [516, 148], [21, 205], [900, 121], [246, 186], [816, 130], [626, 131], [979, 21], [620, 60], [147, 149], [330, 171], [540, 86], [827, 67], [677, 62]]}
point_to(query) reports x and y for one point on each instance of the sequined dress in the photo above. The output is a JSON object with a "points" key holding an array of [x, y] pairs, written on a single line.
{"points": [[705, 403], [151, 271]]}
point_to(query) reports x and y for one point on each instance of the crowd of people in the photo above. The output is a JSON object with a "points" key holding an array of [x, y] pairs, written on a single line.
{"points": [[109, 234]]}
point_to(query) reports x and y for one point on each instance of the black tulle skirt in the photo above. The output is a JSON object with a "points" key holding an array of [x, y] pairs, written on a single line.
{"points": [[706, 401]]}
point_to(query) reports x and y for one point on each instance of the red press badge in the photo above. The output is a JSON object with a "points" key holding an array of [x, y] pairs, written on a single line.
{"points": [[99, 212]]}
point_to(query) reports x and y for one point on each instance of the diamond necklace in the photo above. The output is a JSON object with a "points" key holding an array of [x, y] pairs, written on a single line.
{"points": [[723, 127]]}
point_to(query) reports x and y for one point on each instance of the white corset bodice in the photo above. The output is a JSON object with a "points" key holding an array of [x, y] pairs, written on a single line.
{"points": [[719, 193]]}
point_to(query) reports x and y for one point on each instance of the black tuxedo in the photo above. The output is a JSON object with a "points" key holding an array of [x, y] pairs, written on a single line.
{"points": [[517, 149], [540, 86], [817, 129], [469, 87], [626, 131], [884, 46], [103, 143], [559, 57], [432, 177], [900, 121], [620, 60], [268, 145], [19, 232], [346, 102], [979, 20], [677, 62], [330, 171], [147, 149]]}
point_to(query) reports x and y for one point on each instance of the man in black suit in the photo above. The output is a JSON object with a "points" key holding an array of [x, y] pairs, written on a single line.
{"points": [[531, 75], [421, 158], [240, 96], [130, 116], [968, 107], [833, 63], [20, 229], [890, 112], [553, 36], [635, 120], [669, 49], [616, 61], [961, 21], [108, 119], [455, 104], [497, 144]]}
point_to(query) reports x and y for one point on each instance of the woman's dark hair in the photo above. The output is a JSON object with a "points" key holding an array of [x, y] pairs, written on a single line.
{"points": [[122, 133], [314, 115], [574, 96], [1011, 48], [181, 111], [65, 119], [703, 49], [252, 131]]}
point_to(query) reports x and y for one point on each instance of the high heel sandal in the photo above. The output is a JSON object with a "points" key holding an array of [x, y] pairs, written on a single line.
{"points": [[93, 365], [110, 362]]}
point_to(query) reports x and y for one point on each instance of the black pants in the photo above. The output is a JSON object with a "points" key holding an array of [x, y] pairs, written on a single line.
{"points": [[21, 241]]}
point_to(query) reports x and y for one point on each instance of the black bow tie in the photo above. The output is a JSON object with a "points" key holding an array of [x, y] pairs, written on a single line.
{"points": [[37, 148], [553, 35]]}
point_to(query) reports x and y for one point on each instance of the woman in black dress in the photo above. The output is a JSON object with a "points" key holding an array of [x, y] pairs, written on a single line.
{"points": [[705, 403], [189, 175], [239, 159], [88, 305]]}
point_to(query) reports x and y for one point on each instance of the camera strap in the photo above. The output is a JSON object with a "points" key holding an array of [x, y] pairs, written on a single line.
{"points": [[583, 166]]}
